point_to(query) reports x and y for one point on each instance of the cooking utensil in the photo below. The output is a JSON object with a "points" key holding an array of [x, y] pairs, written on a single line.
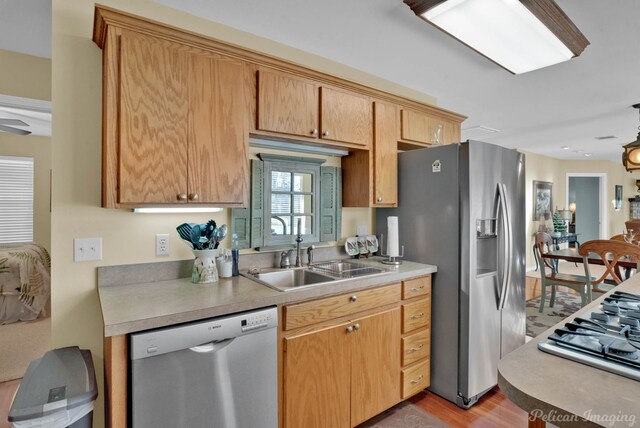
{"points": [[184, 230], [221, 233], [195, 237]]}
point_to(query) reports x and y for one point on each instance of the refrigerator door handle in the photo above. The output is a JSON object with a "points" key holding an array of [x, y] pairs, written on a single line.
{"points": [[503, 206], [510, 253]]}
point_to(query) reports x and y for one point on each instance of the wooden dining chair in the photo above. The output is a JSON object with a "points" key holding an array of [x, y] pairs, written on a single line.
{"points": [[549, 277], [611, 252]]}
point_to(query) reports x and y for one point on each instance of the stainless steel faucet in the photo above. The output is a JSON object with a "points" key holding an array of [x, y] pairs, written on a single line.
{"points": [[310, 249], [298, 241], [285, 263]]}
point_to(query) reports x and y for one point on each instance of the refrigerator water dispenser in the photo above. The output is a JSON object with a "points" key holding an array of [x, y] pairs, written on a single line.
{"points": [[487, 246]]}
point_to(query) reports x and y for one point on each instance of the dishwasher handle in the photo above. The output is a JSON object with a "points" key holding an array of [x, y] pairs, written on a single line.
{"points": [[215, 346]]}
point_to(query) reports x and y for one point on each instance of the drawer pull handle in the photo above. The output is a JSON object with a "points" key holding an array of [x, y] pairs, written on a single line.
{"points": [[417, 348], [354, 298], [420, 315], [417, 288], [414, 381]]}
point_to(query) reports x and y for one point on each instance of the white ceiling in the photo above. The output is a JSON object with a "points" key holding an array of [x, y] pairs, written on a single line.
{"points": [[25, 26], [568, 104]]}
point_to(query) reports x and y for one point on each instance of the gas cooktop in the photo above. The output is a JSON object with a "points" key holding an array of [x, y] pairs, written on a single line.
{"points": [[607, 338]]}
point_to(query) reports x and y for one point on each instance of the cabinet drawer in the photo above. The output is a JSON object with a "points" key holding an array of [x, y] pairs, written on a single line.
{"points": [[416, 347], [416, 314], [307, 313], [416, 287], [415, 379]]}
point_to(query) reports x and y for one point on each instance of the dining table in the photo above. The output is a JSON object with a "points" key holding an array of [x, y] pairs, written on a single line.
{"points": [[572, 255]]}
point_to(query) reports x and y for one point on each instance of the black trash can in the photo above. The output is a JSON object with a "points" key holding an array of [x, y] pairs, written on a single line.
{"points": [[58, 390]]}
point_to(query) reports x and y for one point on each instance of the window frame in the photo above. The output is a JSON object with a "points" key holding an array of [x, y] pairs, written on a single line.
{"points": [[295, 165]]}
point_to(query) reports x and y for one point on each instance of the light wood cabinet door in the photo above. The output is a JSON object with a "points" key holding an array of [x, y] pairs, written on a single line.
{"points": [[316, 378], [218, 159], [286, 104], [375, 365], [385, 155], [414, 126], [153, 117], [345, 117]]}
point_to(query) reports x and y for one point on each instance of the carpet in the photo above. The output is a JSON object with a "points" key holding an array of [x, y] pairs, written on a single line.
{"points": [[21, 343], [566, 304], [404, 415]]}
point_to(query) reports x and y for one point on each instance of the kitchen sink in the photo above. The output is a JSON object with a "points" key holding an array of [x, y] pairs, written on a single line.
{"points": [[288, 279], [320, 273]]}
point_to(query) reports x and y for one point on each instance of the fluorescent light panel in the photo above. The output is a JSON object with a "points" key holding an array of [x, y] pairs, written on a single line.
{"points": [[181, 210], [505, 31]]}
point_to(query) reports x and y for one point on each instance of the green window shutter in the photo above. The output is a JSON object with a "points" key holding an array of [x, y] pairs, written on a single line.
{"points": [[241, 226], [257, 203], [330, 203]]}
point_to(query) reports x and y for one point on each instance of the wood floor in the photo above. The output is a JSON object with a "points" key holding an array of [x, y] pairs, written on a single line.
{"points": [[493, 410], [7, 391]]}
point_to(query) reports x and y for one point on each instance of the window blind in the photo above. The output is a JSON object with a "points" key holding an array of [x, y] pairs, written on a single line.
{"points": [[16, 199]]}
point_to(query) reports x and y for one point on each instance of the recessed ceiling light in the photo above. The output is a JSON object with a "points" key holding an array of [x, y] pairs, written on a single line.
{"points": [[606, 137], [565, 147], [578, 151], [588, 155]]}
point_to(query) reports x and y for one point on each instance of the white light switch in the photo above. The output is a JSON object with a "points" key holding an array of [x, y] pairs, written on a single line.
{"points": [[86, 249]]}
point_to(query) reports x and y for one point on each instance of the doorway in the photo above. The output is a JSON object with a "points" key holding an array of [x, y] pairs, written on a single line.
{"points": [[586, 197]]}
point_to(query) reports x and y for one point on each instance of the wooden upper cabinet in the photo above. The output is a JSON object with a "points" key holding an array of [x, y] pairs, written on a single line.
{"points": [[218, 158], [297, 107], [345, 117], [385, 155], [181, 135], [153, 114], [287, 104], [414, 126], [426, 130]]}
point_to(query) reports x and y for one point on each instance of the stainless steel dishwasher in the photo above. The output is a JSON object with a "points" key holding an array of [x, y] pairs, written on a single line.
{"points": [[219, 373]]}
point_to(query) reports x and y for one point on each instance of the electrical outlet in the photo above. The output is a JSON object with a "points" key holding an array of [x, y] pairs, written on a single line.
{"points": [[86, 249], [162, 244]]}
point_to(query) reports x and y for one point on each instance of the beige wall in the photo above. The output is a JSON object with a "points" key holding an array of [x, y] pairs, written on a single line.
{"points": [[38, 148], [544, 168], [127, 237], [25, 76]]}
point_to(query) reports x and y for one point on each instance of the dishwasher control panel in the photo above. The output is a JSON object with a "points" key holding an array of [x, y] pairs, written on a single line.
{"points": [[256, 321]]}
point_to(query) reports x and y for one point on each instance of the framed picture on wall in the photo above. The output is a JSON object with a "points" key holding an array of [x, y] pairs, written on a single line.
{"points": [[617, 204], [542, 199]]}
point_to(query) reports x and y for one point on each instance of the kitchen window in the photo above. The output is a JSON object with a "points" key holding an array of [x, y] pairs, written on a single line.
{"points": [[286, 191]]}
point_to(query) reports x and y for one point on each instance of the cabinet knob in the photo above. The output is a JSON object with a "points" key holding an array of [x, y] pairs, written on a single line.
{"points": [[354, 298], [349, 329], [417, 380], [325, 134], [314, 132], [417, 288], [420, 315], [356, 326], [182, 197], [417, 348], [194, 196], [379, 198]]}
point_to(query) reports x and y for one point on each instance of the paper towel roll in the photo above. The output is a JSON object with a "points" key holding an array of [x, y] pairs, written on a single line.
{"points": [[393, 244]]}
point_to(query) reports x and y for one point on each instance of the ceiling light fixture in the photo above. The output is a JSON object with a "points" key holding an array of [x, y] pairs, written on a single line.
{"points": [[631, 154], [588, 155], [518, 35], [565, 147]]}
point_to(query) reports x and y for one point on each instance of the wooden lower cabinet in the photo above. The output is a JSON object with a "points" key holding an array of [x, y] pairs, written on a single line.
{"points": [[342, 375]]}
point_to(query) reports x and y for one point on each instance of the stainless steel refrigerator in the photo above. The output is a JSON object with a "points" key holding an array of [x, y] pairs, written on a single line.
{"points": [[461, 207]]}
